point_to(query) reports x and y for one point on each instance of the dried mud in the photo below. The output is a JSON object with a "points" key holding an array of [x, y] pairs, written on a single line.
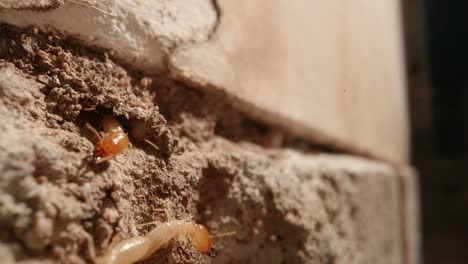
{"points": [[211, 165]]}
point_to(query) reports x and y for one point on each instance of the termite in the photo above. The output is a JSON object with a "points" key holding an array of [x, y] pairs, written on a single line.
{"points": [[114, 142], [142, 247]]}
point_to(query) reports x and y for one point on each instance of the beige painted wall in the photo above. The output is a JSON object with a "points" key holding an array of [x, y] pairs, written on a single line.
{"points": [[335, 67]]}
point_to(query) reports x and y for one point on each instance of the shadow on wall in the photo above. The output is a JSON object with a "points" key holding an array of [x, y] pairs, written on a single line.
{"points": [[437, 62]]}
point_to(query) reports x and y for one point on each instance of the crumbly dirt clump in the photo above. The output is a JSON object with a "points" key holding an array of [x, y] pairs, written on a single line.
{"points": [[266, 205]]}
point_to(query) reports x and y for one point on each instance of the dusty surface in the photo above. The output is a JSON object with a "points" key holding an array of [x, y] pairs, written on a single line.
{"points": [[141, 33], [57, 205]]}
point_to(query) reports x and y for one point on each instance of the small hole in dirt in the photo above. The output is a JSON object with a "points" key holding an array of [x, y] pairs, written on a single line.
{"points": [[214, 188], [318, 227]]}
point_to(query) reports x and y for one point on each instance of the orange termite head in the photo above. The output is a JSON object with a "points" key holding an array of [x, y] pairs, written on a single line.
{"points": [[110, 145], [201, 239], [100, 154]]}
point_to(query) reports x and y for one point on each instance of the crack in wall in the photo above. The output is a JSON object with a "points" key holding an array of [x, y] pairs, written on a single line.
{"points": [[218, 12]]}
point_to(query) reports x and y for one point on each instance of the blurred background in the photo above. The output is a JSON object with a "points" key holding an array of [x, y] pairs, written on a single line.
{"points": [[436, 36]]}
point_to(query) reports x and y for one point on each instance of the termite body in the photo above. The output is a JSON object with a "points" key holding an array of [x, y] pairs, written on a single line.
{"points": [[114, 142], [141, 247]]}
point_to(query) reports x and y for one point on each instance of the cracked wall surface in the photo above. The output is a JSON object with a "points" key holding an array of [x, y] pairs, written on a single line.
{"points": [[275, 201]]}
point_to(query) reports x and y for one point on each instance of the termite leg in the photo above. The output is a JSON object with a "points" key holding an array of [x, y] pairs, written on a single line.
{"points": [[151, 144], [89, 109], [100, 160], [90, 246], [158, 125], [168, 214], [150, 223], [97, 134]]}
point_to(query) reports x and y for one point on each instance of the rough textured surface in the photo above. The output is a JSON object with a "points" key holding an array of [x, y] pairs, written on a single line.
{"points": [[139, 32], [284, 206], [313, 68], [30, 4]]}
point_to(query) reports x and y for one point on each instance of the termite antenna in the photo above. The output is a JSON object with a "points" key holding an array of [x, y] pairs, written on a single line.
{"points": [[158, 126], [151, 144], [98, 160], [224, 234]]}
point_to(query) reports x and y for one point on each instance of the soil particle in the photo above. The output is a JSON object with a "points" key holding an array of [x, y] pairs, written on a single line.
{"points": [[277, 205], [42, 5]]}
